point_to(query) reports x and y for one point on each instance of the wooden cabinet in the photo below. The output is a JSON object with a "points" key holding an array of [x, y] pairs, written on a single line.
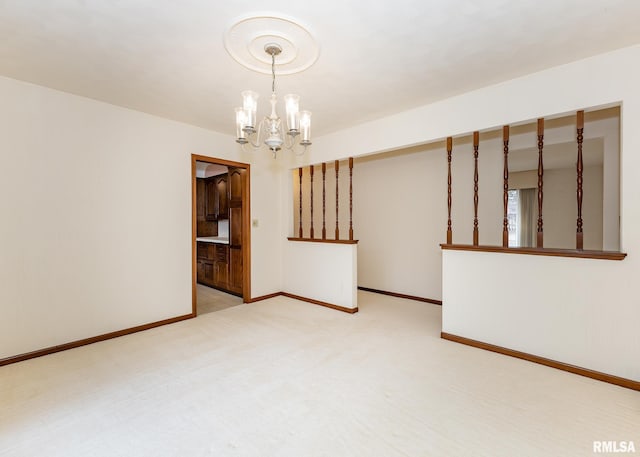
{"points": [[236, 198], [222, 197], [221, 266], [213, 265], [200, 198], [205, 260], [235, 270], [216, 198], [210, 199]]}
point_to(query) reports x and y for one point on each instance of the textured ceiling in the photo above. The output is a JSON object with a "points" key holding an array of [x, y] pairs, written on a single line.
{"points": [[167, 57]]}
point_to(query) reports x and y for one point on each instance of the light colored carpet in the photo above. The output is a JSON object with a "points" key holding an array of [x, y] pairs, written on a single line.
{"points": [[209, 300], [287, 378]]}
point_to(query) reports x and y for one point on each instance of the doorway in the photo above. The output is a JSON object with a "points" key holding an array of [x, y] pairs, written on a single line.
{"points": [[221, 233]]}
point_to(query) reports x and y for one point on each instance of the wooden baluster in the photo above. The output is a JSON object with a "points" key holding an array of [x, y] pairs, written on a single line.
{"points": [[476, 141], [351, 198], [539, 237], [324, 205], [449, 149], [579, 167], [300, 211], [311, 167], [337, 229], [505, 194]]}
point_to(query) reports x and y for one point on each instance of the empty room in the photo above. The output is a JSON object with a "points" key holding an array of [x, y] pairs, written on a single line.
{"points": [[319, 228]]}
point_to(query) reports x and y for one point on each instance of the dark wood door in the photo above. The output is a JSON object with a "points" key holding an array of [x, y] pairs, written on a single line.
{"points": [[235, 270], [236, 198]]}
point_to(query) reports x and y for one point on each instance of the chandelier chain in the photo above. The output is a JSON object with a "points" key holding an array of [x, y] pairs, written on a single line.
{"points": [[273, 72]]}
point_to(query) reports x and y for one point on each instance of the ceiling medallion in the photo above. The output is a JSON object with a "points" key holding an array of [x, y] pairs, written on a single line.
{"points": [[246, 38]]}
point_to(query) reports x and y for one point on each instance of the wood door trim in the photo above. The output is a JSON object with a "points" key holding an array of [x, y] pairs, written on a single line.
{"points": [[246, 225], [623, 382]]}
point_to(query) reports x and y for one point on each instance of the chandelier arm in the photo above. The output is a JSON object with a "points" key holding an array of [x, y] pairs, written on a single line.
{"points": [[289, 142], [257, 136]]}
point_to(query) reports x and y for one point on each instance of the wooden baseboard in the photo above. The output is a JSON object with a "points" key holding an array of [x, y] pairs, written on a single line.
{"points": [[305, 299], [321, 303], [263, 297], [622, 382], [139, 328], [395, 294], [94, 339]]}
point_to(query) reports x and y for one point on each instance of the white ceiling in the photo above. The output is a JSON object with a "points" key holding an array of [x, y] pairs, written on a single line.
{"points": [[378, 57]]}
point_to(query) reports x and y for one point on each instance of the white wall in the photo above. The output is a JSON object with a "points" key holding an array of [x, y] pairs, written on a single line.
{"points": [[563, 310], [608, 299], [96, 217], [322, 271], [400, 216]]}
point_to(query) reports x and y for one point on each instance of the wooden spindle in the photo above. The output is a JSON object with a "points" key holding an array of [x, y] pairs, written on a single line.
{"points": [[324, 204], [539, 235], [505, 193], [449, 231], [337, 163], [476, 142], [579, 169], [351, 198], [311, 167], [300, 206]]}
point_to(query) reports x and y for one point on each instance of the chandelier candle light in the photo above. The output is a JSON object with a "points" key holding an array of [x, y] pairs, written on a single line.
{"points": [[298, 122]]}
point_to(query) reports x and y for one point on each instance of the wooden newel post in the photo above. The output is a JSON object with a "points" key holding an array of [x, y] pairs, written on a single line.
{"points": [[539, 237], [579, 169], [449, 149], [324, 200], [505, 193], [300, 205], [351, 198], [311, 168], [476, 142]]}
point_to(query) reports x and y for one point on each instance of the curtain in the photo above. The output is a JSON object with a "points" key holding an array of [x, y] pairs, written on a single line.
{"points": [[527, 215]]}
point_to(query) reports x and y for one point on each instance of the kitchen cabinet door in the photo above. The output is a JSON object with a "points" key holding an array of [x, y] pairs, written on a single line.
{"points": [[200, 272], [221, 266], [235, 270], [211, 199], [222, 197], [200, 199]]}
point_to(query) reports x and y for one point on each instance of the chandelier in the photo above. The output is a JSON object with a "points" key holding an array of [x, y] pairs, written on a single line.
{"points": [[270, 130]]}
